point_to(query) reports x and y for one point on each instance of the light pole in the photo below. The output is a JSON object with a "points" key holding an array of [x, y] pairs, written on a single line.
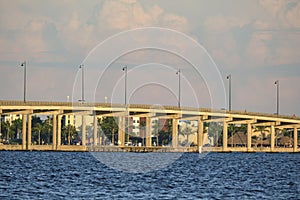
{"points": [[24, 65], [229, 91], [82, 82], [178, 73], [277, 98], [125, 89], [125, 99]]}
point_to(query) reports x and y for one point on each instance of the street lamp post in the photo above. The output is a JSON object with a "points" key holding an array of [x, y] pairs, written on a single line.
{"points": [[277, 96], [229, 92], [178, 73], [82, 82], [125, 101], [24, 65], [125, 89]]}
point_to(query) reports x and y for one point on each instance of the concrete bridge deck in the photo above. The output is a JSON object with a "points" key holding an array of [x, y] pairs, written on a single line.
{"points": [[58, 109]]}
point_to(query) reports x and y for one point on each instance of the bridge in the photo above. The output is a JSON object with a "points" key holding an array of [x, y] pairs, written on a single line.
{"points": [[122, 112]]}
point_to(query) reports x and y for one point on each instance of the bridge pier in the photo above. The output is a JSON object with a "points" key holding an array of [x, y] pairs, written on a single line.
{"points": [[148, 132], [295, 145], [59, 131], [29, 142], [121, 131], [95, 130], [272, 137], [83, 131], [225, 135], [200, 134], [24, 136], [174, 133], [54, 128], [249, 137]]}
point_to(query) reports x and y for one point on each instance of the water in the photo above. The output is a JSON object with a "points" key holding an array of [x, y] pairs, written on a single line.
{"points": [[65, 175]]}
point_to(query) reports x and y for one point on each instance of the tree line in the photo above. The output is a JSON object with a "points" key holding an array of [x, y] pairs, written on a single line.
{"points": [[42, 132]]}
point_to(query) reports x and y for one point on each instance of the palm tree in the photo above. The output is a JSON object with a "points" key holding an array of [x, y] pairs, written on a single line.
{"points": [[109, 127], [69, 131], [47, 129], [7, 128], [187, 131], [214, 130], [16, 127], [38, 128]]}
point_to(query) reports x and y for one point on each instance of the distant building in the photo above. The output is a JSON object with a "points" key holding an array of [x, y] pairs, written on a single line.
{"points": [[10, 118]]}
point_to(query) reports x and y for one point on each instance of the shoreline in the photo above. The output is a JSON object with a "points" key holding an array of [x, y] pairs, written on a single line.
{"points": [[78, 148]]}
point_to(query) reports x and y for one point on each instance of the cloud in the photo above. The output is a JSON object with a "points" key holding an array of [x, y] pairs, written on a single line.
{"points": [[283, 13], [272, 38], [220, 23], [122, 15], [37, 40]]}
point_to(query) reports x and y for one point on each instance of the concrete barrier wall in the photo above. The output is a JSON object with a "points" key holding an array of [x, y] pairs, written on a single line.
{"points": [[71, 148], [10, 147], [79, 148]]}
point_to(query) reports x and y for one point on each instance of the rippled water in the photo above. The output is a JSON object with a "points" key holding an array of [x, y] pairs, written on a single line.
{"points": [[54, 175]]}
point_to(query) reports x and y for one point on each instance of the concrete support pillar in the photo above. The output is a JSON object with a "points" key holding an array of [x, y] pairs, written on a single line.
{"points": [[249, 136], [295, 140], [54, 132], [148, 132], [95, 123], [272, 137], [29, 142], [24, 142], [0, 121], [59, 130], [225, 135], [174, 133], [200, 134], [121, 131], [83, 131]]}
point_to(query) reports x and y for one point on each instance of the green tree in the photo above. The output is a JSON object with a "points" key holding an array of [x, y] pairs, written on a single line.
{"points": [[187, 131], [7, 129], [69, 134], [48, 127], [16, 127], [214, 132], [38, 128], [109, 126], [36, 119], [164, 137]]}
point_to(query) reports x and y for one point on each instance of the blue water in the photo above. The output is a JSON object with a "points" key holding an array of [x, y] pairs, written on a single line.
{"points": [[65, 175]]}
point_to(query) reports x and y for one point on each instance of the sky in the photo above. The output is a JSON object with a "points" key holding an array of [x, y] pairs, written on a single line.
{"points": [[256, 41]]}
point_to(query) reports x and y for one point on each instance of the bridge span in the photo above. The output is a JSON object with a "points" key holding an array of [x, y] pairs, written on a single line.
{"points": [[123, 112]]}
